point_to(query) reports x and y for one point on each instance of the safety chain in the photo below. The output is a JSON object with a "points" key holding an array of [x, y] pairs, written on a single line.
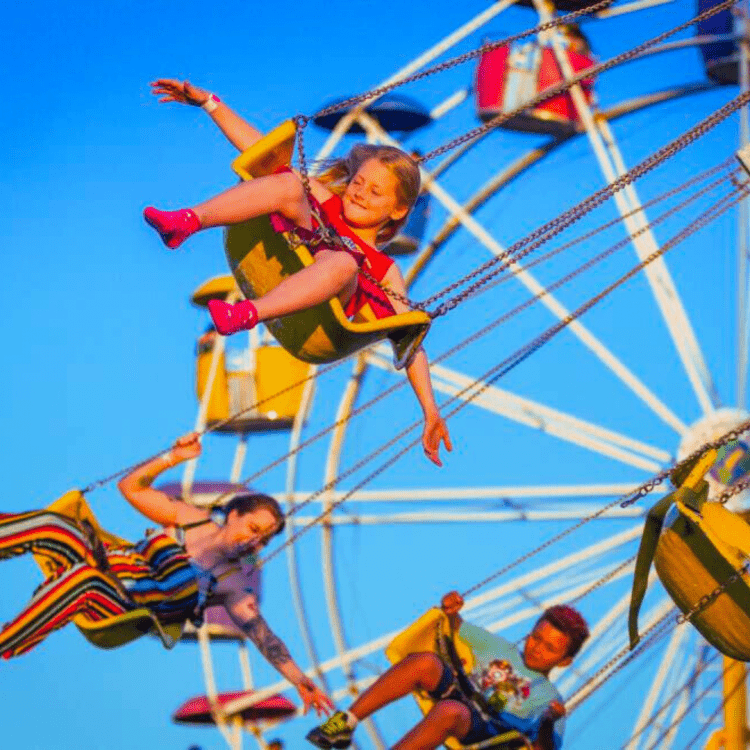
{"points": [[324, 233], [487, 329], [562, 222], [604, 579], [699, 697], [302, 121], [561, 88], [655, 632], [529, 349], [655, 481], [714, 713], [491, 376], [708, 599], [460, 59], [688, 684]]}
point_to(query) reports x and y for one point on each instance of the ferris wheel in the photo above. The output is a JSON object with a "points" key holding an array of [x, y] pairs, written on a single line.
{"points": [[387, 550]]}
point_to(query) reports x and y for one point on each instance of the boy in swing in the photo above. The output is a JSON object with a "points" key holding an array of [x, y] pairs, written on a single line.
{"points": [[507, 690]]}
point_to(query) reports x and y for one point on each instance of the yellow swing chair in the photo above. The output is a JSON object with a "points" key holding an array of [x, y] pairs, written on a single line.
{"points": [[260, 259], [697, 547], [432, 633], [110, 632]]}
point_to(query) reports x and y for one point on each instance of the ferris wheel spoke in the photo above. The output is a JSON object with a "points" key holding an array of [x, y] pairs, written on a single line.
{"points": [[547, 299], [436, 517], [543, 418], [657, 273], [659, 687], [420, 61], [512, 494]]}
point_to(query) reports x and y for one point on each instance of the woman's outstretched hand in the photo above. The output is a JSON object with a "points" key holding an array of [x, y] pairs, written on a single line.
{"points": [[186, 447], [183, 92], [435, 431], [313, 697]]}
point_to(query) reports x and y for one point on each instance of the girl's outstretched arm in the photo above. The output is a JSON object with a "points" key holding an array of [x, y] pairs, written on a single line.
{"points": [[418, 371], [154, 504], [240, 133]]}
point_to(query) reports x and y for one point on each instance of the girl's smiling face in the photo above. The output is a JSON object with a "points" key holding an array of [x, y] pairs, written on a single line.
{"points": [[371, 197]]}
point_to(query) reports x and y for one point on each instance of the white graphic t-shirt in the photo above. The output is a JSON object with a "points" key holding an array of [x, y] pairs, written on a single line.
{"points": [[517, 695]]}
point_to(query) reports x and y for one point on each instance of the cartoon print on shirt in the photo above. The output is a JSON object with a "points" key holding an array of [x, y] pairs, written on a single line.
{"points": [[505, 684]]}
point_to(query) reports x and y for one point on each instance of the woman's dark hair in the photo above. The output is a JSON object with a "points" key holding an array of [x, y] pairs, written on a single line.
{"points": [[569, 621], [250, 501]]}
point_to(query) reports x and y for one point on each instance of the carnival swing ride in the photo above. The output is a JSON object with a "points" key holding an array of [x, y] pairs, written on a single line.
{"points": [[536, 96]]}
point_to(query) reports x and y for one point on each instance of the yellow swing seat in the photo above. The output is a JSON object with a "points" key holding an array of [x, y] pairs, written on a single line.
{"points": [[697, 546], [109, 632], [261, 259], [429, 634]]}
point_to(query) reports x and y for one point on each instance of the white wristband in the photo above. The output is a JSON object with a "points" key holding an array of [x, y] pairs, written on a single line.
{"points": [[211, 103], [167, 457]]}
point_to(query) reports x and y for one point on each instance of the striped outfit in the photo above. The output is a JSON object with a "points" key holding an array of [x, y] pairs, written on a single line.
{"points": [[155, 573]]}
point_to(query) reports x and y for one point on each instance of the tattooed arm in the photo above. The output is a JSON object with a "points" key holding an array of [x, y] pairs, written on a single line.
{"points": [[242, 606]]}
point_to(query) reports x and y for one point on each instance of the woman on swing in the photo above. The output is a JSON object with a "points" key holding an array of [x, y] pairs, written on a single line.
{"points": [[363, 198], [176, 574]]}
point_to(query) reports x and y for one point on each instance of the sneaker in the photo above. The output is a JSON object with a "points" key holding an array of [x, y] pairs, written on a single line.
{"points": [[335, 732], [230, 319], [174, 227]]}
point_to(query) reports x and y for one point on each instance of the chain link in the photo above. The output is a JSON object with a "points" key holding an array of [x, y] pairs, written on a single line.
{"points": [[554, 227], [707, 599], [564, 86], [655, 632], [460, 59]]}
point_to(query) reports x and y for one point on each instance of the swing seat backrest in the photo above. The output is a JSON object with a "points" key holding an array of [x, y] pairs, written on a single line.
{"points": [[261, 258], [428, 634], [109, 632]]}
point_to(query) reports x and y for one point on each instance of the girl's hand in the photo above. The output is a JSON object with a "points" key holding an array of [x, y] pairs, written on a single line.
{"points": [[451, 603], [183, 92], [434, 431], [312, 696], [186, 447]]}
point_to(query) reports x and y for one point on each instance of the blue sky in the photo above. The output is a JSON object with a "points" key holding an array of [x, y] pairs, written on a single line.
{"points": [[99, 331]]}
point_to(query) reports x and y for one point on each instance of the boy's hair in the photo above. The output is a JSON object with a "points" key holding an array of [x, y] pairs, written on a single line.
{"points": [[338, 172], [568, 621], [247, 502]]}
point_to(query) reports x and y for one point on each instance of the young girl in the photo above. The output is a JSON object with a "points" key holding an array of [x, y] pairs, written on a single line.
{"points": [[364, 198], [176, 573]]}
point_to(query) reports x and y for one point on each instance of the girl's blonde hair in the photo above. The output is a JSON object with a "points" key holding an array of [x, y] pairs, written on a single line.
{"points": [[338, 173]]}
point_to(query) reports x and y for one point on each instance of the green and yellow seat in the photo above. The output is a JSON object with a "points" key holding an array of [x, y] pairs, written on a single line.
{"points": [[431, 633], [261, 258], [698, 547]]}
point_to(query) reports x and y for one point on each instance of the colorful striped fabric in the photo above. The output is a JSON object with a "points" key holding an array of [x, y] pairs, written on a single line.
{"points": [[155, 573]]}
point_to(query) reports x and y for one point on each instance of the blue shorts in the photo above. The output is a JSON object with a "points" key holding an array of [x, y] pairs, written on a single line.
{"points": [[482, 728]]}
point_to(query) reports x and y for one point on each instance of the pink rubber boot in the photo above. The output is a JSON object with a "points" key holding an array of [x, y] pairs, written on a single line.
{"points": [[230, 319], [174, 227]]}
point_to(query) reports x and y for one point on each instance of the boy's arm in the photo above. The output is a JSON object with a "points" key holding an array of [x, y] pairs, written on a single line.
{"points": [[418, 372], [239, 132]]}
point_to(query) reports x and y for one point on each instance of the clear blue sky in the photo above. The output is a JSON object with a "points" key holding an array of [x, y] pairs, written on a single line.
{"points": [[99, 331]]}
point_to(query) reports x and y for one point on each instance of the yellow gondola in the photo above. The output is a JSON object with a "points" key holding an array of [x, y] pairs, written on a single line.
{"points": [[261, 258], [698, 547], [431, 633], [235, 392], [110, 632]]}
